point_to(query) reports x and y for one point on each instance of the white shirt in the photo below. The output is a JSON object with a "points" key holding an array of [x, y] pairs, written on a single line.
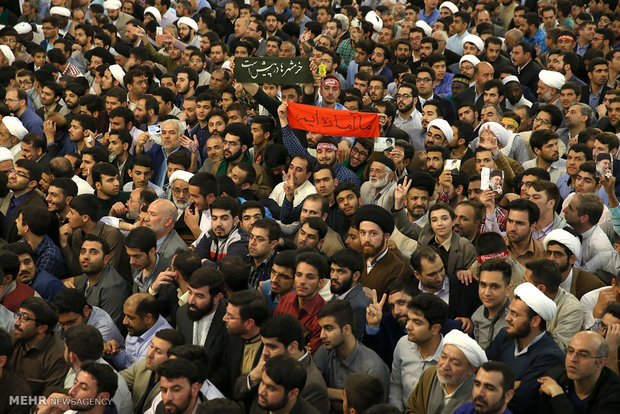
{"points": [[83, 186], [300, 194], [201, 329], [204, 224], [588, 302], [569, 281], [443, 293]]}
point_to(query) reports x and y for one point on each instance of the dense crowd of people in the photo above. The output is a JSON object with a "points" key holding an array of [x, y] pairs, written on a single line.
{"points": [[177, 239]]}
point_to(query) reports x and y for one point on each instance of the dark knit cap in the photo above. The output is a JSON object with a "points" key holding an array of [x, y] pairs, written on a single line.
{"points": [[377, 215]]}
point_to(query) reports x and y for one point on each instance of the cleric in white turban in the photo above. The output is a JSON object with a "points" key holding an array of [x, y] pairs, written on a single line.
{"points": [[468, 345], [179, 187], [11, 133], [566, 239], [443, 126], [474, 40], [496, 129], [552, 79], [536, 300]]}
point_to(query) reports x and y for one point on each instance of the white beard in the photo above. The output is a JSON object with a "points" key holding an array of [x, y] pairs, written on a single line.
{"points": [[379, 183]]}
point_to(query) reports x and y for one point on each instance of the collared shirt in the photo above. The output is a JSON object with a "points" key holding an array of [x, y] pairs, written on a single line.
{"points": [[411, 125], [455, 43], [535, 250], [597, 252], [556, 170], [71, 70], [299, 196], [371, 263], [49, 257], [444, 88], [144, 284], [31, 121], [486, 328], [14, 205], [432, 18], [260, 272], [104, 323], [581, 50], [566, 284], [593, 99], [362, 360], [201, 329], [566, 187], [407, 369], [443, 293], [540, 235], [524, 350], [136, 347], [307, 315]]}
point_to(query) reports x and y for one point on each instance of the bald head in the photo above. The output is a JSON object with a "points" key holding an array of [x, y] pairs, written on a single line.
{"points": [[141, 312], [586, 356], [136, 298], [160, 217]]}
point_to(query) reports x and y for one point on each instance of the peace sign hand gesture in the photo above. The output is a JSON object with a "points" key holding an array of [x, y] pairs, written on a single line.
{"points": [[401, 192], [374, 311]]}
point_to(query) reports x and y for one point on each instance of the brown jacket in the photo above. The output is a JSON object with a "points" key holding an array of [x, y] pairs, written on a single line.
{"points": [[389, 268], [509, 166], [584, 282], [261, 186]]}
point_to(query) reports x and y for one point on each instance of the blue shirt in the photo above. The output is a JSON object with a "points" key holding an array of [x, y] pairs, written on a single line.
{"points": [[148, 281], [430, 19], [13, 205], [136, 347], [455, 43], [101, 320], [565, 186], [32, 122], [48, 258], [537, 39], [445, 87], [45, 284]]}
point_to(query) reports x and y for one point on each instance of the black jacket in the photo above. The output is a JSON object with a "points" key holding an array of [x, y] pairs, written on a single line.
{"points": [[604, 399], [462, 301]]}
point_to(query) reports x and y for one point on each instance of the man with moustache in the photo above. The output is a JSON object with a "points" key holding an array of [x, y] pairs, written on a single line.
{"points": [[379, 189], [346, 269], [200, 319], [493, 390], [141, 245], [408, 118], [453, 376], [583, 383], [263, 241], [420, 348], [525, 345], [281, 279]]}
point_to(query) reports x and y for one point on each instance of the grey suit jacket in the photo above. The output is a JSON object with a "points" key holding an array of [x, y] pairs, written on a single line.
{"points": [[171, 244], [108, 292], [137, 377], [359, 302]]}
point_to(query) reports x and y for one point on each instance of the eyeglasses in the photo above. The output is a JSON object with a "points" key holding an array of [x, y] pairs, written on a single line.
{"points": [[543, 120], [423, 80], [259, 239], [581, 355], [403, 96], [22, 317], [602, 327], [358, 152], [281, 275], [19, 173], [180, 190]]}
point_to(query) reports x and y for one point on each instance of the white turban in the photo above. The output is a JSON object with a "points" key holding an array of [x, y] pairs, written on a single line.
{"points": [[118, 73], [10, 57], [372, 18], [473, 352], [536, 300], [23, 28], [60, 11], [566, 239], [112, 4], [344, 20], [180, 175], [475, 40], [510, 78], [552, 79], [156, 14], [471, 59], [424, 26], [444, 126], [5, 154], [189, 22], [15, 127], [498, 130], [450, 6]]}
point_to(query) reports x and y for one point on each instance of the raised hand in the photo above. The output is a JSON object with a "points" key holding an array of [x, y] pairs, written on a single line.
{"points": [[288, 185], [401, 192], [374, 311]]}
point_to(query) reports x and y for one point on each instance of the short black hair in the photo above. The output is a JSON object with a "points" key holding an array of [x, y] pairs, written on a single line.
{"points": [[251, 304], [285, 328], [341, 311], [498, 265], [520, 204], [85, 341], [434, 309], [363, 391], [179, 368], [107, 378]]}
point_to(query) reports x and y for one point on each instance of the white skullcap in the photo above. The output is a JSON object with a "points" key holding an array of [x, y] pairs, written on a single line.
{"points": [[60, 11], [552, 79], [424, 26], [374, 19], [498, 130], [23, 28], [156, 14], [7, 54], [112, 4], [475, 40], [450, 6], [444, 126], [510, 78], [15, 126], [180, 175], [118, 73], [344, 20], [5, 154], [226, 65], [468, 346], [189, 22], [356, 23], [536, 300], [471, 59], [563, 237]]}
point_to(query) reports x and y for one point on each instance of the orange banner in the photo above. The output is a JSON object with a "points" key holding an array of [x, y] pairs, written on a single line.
{"points": [[336, 122]]}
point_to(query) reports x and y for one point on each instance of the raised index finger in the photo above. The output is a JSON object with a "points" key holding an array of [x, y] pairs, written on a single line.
{"points": [[382, 303], [374, 297]]}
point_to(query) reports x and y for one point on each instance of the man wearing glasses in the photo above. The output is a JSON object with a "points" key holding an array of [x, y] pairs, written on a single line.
{"points": [[425, 83], [408, 118], [17, 101], [584, 382], [38, 353], [23, 180], [264, 239]]}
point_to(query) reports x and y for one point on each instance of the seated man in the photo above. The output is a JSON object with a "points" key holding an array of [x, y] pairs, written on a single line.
{"points": [[12, 384], [74, 310], [142, 321], [226, 237], [281, 280], [13, 291], [32, 226], [45, 367], [583, 382], [84, 343], [141, 171], [453, 376], [44, 283], [142, 378], [493, 390], [525, 345], [161, 217], [305, 302], [341, 354], [141, 244], [100, 282]]}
